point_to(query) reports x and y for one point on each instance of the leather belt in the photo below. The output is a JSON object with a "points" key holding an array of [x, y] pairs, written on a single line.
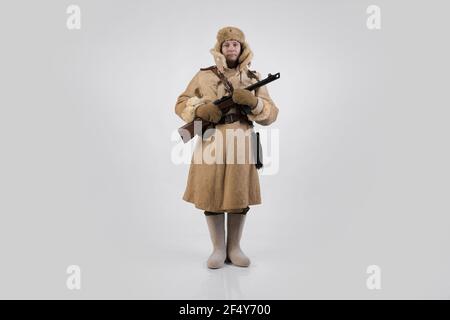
{"points": [[233, 117]]}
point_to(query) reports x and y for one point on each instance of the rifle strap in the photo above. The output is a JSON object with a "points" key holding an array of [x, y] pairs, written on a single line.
{"points": [[227, 84], [252, 74]]}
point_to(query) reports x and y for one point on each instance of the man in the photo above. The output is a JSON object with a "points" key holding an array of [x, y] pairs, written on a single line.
{"points": [[229, 187]]}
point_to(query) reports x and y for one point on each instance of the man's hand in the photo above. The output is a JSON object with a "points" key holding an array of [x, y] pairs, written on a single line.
{"points": [[209, 112], [244, 97]]}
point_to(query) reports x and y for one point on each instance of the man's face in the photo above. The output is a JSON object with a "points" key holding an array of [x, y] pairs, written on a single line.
{"points": [[231, 49]]}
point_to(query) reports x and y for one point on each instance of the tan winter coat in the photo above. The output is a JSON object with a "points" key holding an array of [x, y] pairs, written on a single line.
{"points": [[224, 186]]}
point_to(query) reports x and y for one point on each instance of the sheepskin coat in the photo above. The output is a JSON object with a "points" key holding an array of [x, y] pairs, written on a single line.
{"points": [[224, 185]]}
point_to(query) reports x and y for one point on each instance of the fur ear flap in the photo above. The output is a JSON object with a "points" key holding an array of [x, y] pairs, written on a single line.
{"points": [[219, 59], [217, 47], [246, 56]]}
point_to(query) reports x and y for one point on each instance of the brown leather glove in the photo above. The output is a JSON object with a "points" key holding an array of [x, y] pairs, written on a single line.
{"points": [[244, 97], [209, 112]]}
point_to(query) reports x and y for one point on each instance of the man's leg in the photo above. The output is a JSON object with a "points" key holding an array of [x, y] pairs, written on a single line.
{"points": [[216, 226], [235, 225]]}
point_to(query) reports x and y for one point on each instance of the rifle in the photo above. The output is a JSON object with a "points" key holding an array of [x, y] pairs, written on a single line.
{"points": [[188, 131]]}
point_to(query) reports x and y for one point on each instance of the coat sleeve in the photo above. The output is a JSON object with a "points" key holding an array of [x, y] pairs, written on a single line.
{"points": [[266, 110], [189, 100]]}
